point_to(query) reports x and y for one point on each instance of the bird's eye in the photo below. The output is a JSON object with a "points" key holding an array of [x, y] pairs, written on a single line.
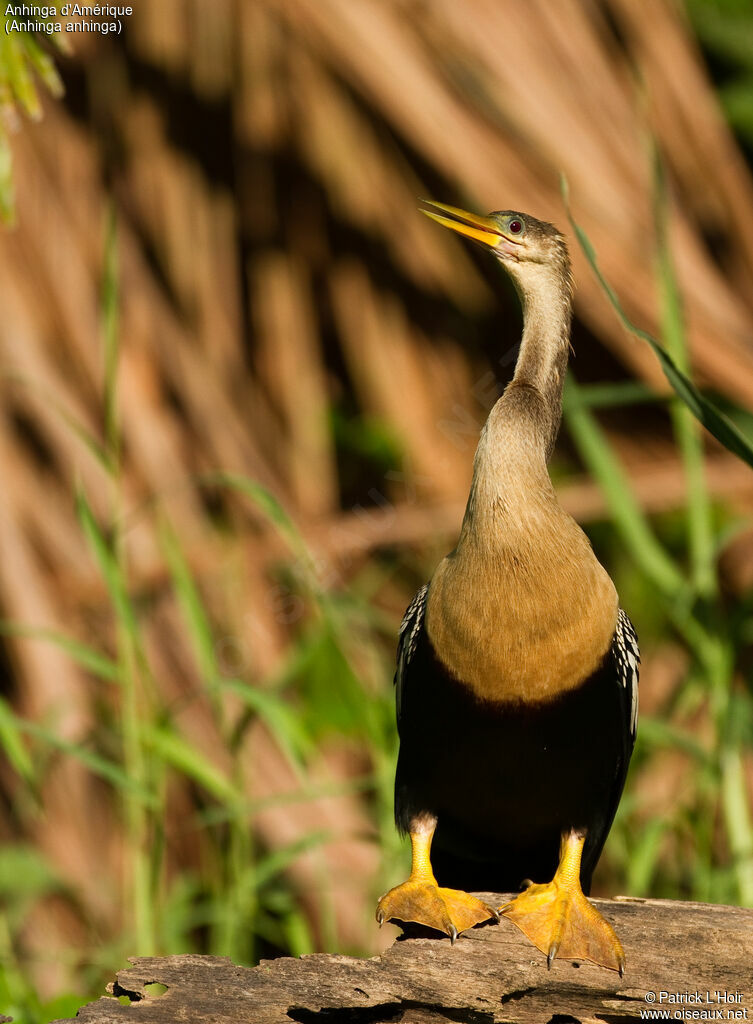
{"points": [[516, 227]]}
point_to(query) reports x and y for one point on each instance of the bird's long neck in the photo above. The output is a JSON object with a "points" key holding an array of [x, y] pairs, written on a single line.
{"points": [[542, 360], [509, 470], [521, 609]]}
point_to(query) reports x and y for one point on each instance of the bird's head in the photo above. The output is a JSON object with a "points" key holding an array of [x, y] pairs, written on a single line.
{"points": [[524, 245]]}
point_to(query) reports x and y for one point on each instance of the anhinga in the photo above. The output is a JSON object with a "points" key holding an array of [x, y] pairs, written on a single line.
{"points": [[517, 671]]}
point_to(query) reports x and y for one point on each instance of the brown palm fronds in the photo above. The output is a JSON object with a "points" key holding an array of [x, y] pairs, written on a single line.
{"points": [[278, 290]]}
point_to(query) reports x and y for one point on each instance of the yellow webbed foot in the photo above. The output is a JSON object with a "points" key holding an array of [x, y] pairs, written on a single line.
{"points": [[560, 921], [424, 902]]}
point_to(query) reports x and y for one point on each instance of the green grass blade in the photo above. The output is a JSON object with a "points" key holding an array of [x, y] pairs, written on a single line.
{"points": [[111, 338], [687, 431], [86, 437], [15, 71], [261, 497], [182, 756], [628, 516], [725, 29], [93, 661], [7, 194], [271, 509], [297, 932], [13, 745], [663, 735], [98, 765], [20, 56], [26, 875], [108, 564], [283, 721], [738, 822], [280, 859], [615, 394], [44, 65], [644, 855], [191, 605], [702, 408], [211, 816], [77, 428], [134, 716]]}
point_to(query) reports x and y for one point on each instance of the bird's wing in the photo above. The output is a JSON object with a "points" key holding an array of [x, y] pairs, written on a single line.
{"points": [[622, 673], [627, 658], [410, 629]]}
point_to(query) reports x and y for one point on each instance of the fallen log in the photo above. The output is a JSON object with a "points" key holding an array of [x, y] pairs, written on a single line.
{"points": [[685, 961]]}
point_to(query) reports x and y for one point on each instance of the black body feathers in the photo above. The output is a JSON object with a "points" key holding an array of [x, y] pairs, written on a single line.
{"points": [[505, 780]]}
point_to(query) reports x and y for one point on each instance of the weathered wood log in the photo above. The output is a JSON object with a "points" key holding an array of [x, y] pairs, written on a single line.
{"points": [[692, 960]]}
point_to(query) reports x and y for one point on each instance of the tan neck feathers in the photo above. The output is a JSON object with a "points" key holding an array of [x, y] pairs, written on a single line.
{"points": [[522, 610]]}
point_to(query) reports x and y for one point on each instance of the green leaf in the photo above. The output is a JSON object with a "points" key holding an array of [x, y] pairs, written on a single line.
{"points": [[725, 30], [687, 431], [44, 65], [63, 1006], [613, 395], [283, 721], [279, 860], [737, 100], [624, 507], [267, 504], [93, 661], [704, 410], [25, 873], [191, 605], [644, 855], [97, 764], [111, 339], [663, 734], [178, 753], [20, 56], [81, 432], [7, 195], [12, 743], [16, 71], [109, 566], [737, 816]]}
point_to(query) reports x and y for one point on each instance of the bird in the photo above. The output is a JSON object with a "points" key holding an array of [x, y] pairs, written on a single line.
{"points": [[517, 670]]}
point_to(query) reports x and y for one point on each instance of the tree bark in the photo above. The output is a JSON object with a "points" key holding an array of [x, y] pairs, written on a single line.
{"points": [[693, 961]]}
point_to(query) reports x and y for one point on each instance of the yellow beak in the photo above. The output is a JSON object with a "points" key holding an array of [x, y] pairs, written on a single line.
{"points": [[480, 229]]}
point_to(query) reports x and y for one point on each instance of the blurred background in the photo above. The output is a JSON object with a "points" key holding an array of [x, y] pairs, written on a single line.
{"points": [[241, 383]]}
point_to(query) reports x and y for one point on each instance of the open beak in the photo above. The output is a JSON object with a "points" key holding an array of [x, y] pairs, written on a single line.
{"points": [[481, 229]]}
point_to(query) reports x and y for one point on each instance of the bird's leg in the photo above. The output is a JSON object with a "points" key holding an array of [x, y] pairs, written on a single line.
{"points": [[560, 921], [421, 900]]}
